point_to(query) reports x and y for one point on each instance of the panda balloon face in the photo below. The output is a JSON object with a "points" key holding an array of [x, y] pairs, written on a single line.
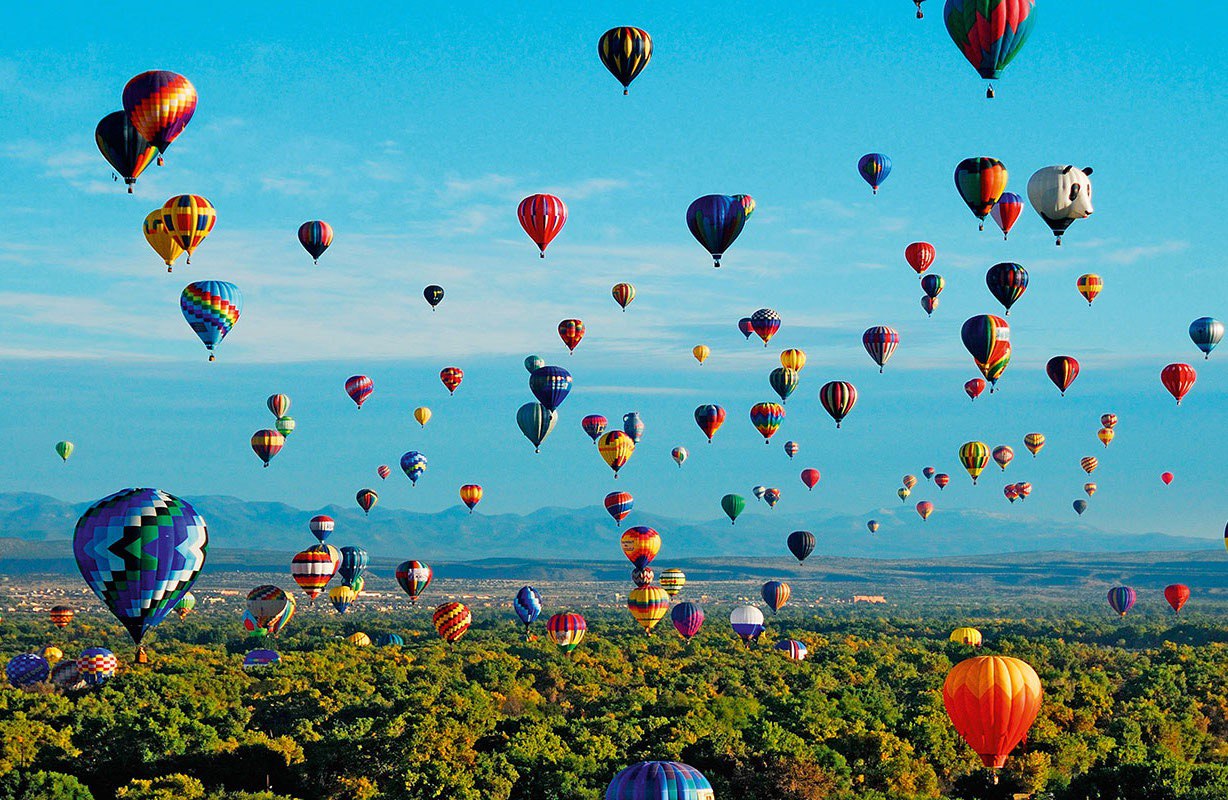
{"points": [[1061, 194]]}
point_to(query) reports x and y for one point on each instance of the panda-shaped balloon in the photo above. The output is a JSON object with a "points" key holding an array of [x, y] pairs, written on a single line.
{"points": [[1061, 194]]}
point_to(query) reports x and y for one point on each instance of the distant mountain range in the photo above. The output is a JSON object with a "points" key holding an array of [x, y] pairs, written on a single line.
{"points": [[36, 526]]}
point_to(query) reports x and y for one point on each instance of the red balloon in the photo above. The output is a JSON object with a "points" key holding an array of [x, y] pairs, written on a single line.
{"points": [[1176, 595], [1166, 477], [1062, 370], [929, 304], [542, 216], [1178, 379], [920, 255], [571, 331], [810, 477], [359, 388], [941, 480], [974, 387], [451, 377]]}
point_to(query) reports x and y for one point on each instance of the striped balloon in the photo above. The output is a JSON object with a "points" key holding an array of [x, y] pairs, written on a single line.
{"points": [[188, 219], [981, 181], [716, 221], [1006, 212], [1178, 379], [1034, 442], [987, 338], [594, 425], [920, 256], [776, 594], [528, 605], [783, 381], [96, 665], [616, 448], [625, 51], [566, 631], [471, 495], [1062, 370], [838, 399], [535, 421], [315, 236], [640, 545], [413, 577], [61, 616], [933, 285], [992, 701], [766, 418], [989, 33], [159, 104], [688, 618], [1007, 282], [313, 568], [353, 564], [321, 526], [1089, 464], [211, 309], [880, 342], [342, 597], [1090, 285], [648, 605], [1121, 599], [623, 294], [452, 620], [278, 404], [974, 456], [793, 649], [672, 581], [874, 169], [659, 780], [619, 505], [542, 216], [267, 443]]}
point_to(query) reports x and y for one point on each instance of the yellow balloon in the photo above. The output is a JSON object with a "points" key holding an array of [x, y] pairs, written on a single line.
{"points": [[701, 353], [361, 639], [160, 239], [968, 636], [423, 415], [793, 359], [53, 654]]}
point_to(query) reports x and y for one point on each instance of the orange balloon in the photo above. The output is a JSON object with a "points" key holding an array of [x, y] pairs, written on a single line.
{"points": [[992, 701]]}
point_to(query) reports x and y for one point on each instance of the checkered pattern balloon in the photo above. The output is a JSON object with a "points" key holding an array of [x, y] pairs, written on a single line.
{"points": [[26, 669], [96, 665]]}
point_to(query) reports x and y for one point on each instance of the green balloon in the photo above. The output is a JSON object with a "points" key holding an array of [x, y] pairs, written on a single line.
{"points": [[733, 504], [64, 449], [533, 363], [285, 425], [783, 381], [535, 421]]}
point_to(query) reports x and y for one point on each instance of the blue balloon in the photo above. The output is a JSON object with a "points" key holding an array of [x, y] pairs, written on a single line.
{"points": [[261, 659], [550, 385], [27, 669], [715, 221], [1080, 506], [390, 640], [353, 564], [874, 169], [659, 780], [633, 426], [528, 605], [413, 464], [1206, 333], [1121, 599]]}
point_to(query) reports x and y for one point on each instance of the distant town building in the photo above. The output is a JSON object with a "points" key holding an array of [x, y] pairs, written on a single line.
{"points": [[869, 598]]}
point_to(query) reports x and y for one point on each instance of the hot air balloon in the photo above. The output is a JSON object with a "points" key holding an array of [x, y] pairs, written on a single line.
{"points": [[801, 544], [261, 659], [315, 236], [353, 565], [872, 526], [838, 399], [990, 33], [550, 385], [1080, 506], [1006, 212], [433, 295], [1089, 488], [903, 492], [672, 581], [188, 218], [640, 545], [1108, 420], [278, 404], [185, 605], [928, 472], [688, 618], [1178, 379], [766, 418], [413, 577], [909, 481], [1176, 595], [1007, 282], [928, 304], [1011, 492], [64, 450], [471, 495], [1003, 455], [793, 359], [266, 444], [367, 499], [1166, 478], [745, 328], [270, 607], [974, 387], [792, 449], [60, 616], [1121, 599], [715, 220], [618, 505], [594, 426], [775, 594], [1206, 333], [1089, 286], [880, 342], [160, 238], [359, 639], [1089, 464], [1061, 194], [321, 527], [988, 340], [642, 576], [124, 148], [992, 701], [359, 388], [1105, 435], [96, 665], [925, 508], [451, 378], [783, 381], [342, 597], [211, 309], [27, 669], [140, 571], [701, 353], [874, 169], [679, 454], [709, 418], [1025, 489], [413, 464], [571, 331], [747, 622], [313, 568], [623, 294], [528, 606], [932, 285], [285, 425], [810, 477], [765, 322], [759, 492], [633, 426], [733, 505], [625, 52], [542, 216], [771, 497], [535, 421], [967, 636], [648, 605], [533, 363], [920, 256], [566, 631], [1062, 370], [616, 449], [452, 620], [974, 456], [659, 780], [980, 183], [941, 480], [1034, 442], [159, 104]]}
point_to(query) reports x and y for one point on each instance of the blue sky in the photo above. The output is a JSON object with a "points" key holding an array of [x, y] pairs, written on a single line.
{"points": [[416, 134]]}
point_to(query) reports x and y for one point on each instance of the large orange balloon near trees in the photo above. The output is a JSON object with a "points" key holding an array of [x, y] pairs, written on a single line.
{"points": [[992, 701]]}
